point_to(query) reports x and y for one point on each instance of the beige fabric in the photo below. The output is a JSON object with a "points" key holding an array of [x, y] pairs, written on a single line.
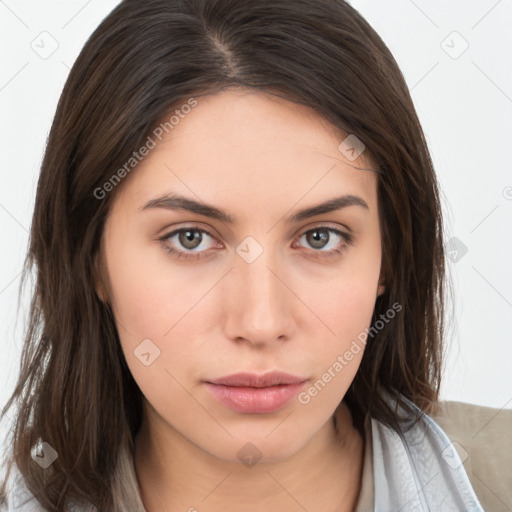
{"points": [[482, 437]]}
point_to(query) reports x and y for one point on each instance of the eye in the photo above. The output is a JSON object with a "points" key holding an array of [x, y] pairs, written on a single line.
{"points": [[190, 238], [186, 242], [321, 238]]}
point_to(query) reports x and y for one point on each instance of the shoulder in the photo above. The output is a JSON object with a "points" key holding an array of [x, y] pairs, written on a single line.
{"points": [[482, 437]]}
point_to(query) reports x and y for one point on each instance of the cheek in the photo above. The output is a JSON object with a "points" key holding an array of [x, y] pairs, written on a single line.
{"points": [[150, 302], [346, 308], [150, 309], [344, 297], [351, 306], [346, 312], [344, 302], [149, 294]]}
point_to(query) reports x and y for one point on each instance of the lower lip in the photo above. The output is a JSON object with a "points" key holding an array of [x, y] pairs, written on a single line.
{"points": [[255, 400]]}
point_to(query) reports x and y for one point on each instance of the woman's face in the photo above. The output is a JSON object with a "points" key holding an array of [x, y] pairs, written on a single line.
{"points": [[270, 289]]}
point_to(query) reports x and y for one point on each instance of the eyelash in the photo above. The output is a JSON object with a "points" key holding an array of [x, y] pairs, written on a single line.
{"points": [[347, 241]]}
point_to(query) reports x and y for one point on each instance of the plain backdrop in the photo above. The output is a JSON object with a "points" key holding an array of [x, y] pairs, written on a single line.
{"points": [[457, 60]]}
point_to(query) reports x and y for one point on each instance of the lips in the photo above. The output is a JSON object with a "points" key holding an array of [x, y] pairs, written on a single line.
{"points": [[258, 381], [256, 394]]}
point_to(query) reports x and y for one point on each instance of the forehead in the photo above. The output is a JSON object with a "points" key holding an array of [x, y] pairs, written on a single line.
{"points": [[250, 143], [241, 121]]}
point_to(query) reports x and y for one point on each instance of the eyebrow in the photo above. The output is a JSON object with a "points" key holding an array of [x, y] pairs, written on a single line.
{"points": [[178, 202]]}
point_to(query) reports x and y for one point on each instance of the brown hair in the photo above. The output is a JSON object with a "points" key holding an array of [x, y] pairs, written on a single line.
{"points": [[75, 391]]}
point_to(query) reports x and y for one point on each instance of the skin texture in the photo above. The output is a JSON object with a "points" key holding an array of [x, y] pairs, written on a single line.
{"points": [[261, 159]]}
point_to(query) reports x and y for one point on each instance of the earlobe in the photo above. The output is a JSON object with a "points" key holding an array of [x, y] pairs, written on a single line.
{"points": [[99, 289], [100, 292], [98, 280], [381, 289]]}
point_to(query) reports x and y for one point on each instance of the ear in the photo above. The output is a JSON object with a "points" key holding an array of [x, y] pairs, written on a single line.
{"points": [[99, 278], [381, 289]]}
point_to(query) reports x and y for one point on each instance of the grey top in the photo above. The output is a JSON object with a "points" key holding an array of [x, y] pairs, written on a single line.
{"points": [[418, 471]]}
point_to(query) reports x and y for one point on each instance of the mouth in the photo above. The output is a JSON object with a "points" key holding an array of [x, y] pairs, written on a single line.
{"points": [[256, 394]]}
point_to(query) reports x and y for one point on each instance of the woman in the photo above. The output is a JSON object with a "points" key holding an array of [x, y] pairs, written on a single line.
{"points": [[240, 273]]}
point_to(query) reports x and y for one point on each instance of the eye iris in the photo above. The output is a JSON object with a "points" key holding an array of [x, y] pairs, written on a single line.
{"points": [[189, 237], [318, 238]]}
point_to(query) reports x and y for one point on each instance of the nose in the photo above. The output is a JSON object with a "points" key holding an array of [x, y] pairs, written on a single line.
{"points": [[258, 305]]}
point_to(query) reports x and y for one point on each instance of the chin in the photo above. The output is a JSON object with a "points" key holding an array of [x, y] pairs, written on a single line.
{"points": [[261, 448]]}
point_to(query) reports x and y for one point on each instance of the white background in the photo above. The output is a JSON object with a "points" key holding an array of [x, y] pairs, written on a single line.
{"points": [[464, 103]]}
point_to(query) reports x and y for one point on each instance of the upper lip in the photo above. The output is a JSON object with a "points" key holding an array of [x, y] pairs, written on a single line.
{"points": [[254, 380]]}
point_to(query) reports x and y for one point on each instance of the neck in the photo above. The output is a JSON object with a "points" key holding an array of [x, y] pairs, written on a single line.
{"points": [[175, 474]]}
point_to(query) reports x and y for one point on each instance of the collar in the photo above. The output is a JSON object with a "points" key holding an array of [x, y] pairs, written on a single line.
{"points": [[417, 470]]}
